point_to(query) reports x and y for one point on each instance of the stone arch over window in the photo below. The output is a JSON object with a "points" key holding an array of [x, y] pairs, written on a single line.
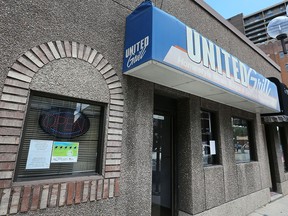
{"points": [[13, 104]]}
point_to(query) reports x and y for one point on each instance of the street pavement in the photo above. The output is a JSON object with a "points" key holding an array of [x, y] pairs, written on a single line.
{"points": [[278, 207]]}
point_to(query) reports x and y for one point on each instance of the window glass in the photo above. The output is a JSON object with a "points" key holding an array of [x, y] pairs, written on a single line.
{"points": [[61, 138], [286, 67], [208, 138], [241, 140], [281, 54], [269, 13]]}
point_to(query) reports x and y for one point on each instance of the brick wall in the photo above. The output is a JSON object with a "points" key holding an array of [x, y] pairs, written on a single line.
{"points": [[13, 103]]}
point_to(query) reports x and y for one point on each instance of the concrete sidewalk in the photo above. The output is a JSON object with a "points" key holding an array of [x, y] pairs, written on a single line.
{"points": [[278, 207]]}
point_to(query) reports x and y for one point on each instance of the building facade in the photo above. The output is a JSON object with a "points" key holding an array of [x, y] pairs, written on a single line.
{"points": [[274, 50], [254, 26], [94, 120]]}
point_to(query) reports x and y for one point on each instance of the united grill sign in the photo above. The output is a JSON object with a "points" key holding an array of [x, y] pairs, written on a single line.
{"points": [[63, 123]]}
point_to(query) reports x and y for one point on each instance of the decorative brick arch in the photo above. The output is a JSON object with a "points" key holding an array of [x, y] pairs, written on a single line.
{"points": [[13, 104]]}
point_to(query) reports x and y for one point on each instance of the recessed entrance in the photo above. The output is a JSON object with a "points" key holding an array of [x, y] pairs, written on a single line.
{"points": [[162, 157], [277, 148]]}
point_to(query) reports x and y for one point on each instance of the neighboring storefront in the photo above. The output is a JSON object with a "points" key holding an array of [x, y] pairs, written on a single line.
{"points": [[276, 136], [149, 115]]}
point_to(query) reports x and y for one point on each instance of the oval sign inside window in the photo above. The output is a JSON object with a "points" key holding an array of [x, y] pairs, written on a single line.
{"points": [[64, 123]]}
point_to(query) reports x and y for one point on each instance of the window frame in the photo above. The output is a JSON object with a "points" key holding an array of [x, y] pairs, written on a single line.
{"points": [[100, 148], [215, 133], [251, 138]]}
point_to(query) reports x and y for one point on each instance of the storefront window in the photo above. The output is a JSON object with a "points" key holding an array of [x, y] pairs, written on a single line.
{"points": [[241, 140], [208, 138], [61, 138]]}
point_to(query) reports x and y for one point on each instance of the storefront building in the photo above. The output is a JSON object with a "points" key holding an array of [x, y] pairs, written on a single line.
{"points": [[130, 108]]}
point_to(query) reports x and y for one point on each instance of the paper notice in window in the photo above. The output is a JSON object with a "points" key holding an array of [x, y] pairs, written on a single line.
{"points": [[39, 155], [212, 147], [65, 152]]}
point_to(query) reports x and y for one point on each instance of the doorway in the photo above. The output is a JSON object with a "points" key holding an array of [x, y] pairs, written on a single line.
{"points": [[163, 181], [277, 148], [272, 155]]}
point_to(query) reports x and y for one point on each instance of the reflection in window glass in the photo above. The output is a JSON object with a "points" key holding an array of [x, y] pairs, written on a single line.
{"points": [[162, 165], [208, 138], [241, 140]]}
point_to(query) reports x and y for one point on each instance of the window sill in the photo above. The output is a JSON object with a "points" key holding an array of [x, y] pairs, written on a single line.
{"points": [[58, 180], [246, 162], [213, 166]]}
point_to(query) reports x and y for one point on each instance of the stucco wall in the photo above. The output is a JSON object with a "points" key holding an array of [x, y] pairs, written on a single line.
{"points": [[101, 25]]}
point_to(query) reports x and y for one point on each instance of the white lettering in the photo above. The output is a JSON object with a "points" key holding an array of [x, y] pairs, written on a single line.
{"points": [[244, 74], [136, 52], [193, 45], [137, 47], [215, 58], [235, 69], [135, 58], [227, 65], [219, 61], [208, 54]]}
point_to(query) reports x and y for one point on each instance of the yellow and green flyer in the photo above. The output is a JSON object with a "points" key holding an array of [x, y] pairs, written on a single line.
{"points": [[65, 152]]}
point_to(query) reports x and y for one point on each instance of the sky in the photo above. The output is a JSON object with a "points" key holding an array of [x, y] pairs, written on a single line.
{"points": [[229, 8]]}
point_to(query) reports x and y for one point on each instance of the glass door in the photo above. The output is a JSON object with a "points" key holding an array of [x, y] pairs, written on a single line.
{"points": [[162, 166]]}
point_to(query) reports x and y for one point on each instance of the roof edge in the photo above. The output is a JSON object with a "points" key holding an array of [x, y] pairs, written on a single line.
{"points": [[234, 30]]}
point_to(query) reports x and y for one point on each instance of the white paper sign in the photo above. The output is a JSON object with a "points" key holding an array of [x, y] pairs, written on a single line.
{"points": [[159, 117], [39, 154], [212, 147]]}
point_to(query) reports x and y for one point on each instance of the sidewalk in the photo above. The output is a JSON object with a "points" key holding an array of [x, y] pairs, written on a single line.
{"points": [[278, 207]]}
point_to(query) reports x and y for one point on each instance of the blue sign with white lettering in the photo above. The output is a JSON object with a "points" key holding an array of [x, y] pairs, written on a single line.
{"points": [[154, 35]]}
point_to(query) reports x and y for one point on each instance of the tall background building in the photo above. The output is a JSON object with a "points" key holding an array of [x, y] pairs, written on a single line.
{"points": [[254, 26]]}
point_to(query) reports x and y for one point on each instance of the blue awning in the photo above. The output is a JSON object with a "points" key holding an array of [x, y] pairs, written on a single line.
{"points": [[161, 49]]}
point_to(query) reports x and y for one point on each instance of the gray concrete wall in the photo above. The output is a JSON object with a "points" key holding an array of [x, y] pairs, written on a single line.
{"points": [[201, 188], [65, 77], [136, 164], [92, 24], [240, 207], [100, 25]]}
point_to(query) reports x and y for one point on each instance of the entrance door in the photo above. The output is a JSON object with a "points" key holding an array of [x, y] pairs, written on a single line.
{"points": [[272, 154], [162, 165]]}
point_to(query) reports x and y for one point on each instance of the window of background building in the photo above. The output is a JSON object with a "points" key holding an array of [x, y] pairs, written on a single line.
{"points": [[242, 140], [281, 54], [61, 138], [269, 13], [209, 138]]}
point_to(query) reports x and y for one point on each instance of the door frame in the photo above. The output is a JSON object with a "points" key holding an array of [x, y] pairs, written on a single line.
{"points": [[164, 105]]}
